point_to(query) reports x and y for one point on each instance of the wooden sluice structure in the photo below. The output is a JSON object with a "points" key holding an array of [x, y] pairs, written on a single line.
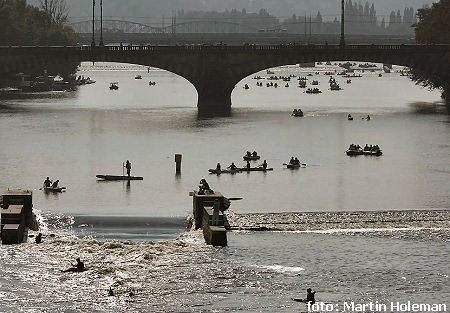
{"points": [[17, 216], [215, 235]]}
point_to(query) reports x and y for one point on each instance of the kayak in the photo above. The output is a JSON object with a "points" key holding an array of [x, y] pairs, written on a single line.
{"points": [[53, 189], [74, 270], [251, 158], [255, 169], [215, 171], [113, 177]]}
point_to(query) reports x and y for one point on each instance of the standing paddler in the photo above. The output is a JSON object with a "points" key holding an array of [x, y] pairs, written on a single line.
{"points": [[128, 167]]}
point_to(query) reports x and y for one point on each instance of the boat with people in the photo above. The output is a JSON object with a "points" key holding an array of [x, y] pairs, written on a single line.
{"points": [[315, 82], [313, 90], [118, 177], [293, 166], [54, 189], [246, 87], [297, 113], [114, 86], [251, 157], [371, 150], [335, 86], [302, 83], [150, 83], [218, 172], [138, 77]]}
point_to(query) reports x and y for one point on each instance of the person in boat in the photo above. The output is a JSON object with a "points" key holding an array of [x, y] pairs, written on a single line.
{"points": [[249, 154], [110, 292], [368, 117], [38, 238], [79, 265], [264, 165], [310, 296], [248, 164], [255, 154], [296, 161], [349, 116], [128, 167], [204, 187], [55, 184], [366, 147], [218, 167], [232, 166], [47, 182], [292, 161]]}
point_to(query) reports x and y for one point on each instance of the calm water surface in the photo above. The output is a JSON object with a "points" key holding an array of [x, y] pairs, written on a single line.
{"points": [[132, 237]]}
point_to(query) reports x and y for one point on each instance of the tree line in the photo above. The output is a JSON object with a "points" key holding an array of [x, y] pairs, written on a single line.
{"points": [[23, 24]]}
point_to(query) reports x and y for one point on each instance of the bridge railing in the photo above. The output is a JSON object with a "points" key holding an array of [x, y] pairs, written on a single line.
{"points": [[36, 50]]}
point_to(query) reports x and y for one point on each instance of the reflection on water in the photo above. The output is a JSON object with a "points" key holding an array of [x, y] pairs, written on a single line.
{"points": [[75, 136]]}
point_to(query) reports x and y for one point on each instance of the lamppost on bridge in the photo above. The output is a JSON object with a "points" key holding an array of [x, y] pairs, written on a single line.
{"points": [[101, 24], [342, 42], [93, 24]]}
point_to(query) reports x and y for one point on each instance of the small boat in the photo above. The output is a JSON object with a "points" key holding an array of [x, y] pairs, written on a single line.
{"points": [[54, 189], [255, 169], [138, 77], [293, 166], [114, 86], [335, 87], [246, 87], [362, 152], [116, 177], [151, 83], [313, 91], [350, 118], [74, 270], [315, 82], [251, 157], [218, 172], [297, 113], [302, 84]]}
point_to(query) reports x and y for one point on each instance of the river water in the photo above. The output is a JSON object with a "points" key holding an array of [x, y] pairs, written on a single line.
{"points": [[353, 228]]}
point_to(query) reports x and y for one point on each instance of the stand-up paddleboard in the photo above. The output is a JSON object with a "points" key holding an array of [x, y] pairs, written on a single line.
{"points": [[115, 177]]}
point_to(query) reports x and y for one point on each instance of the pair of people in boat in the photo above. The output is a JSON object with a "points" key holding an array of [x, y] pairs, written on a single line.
{"points": [[49, 184], [263, 165], [371, 148], [354, 147], [294, 161], [249, 154], [297, 111]]}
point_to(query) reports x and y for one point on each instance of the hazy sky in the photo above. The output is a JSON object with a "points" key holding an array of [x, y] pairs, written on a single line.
{"points": [[281, 8]]}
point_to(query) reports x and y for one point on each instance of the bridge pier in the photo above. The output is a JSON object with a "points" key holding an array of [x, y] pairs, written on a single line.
{"points": [[214, 95]]}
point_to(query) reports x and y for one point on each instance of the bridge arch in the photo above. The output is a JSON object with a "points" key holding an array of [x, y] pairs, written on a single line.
{"points": [[215, 70]]}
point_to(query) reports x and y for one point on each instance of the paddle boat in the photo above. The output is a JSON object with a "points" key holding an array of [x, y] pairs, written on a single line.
{"points": [[251, 157], [297, 113], [54, 189], [138, 77], [114, 86], [255, 169], [218, 172]]}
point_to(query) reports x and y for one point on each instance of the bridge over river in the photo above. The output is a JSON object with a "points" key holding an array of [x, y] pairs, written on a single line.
{"points": [[215, 70]]}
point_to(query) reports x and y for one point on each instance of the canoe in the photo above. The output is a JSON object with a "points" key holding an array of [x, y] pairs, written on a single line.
{"points": [[251, 158], [52, 189], [74, 270], [214, 171], [113, 177], [255, 169]]}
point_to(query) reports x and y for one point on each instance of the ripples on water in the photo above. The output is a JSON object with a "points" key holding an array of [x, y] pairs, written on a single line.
{"points": [[184, 274]]}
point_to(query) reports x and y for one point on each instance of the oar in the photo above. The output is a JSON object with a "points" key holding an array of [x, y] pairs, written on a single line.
{"points": [[234, 199]]}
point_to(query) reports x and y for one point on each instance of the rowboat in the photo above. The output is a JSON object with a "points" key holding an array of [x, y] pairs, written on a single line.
{"points": [[362, 152], [251, 157], [294, 166], [218, 172], [255, 169], [113, 177], [54, 189]]}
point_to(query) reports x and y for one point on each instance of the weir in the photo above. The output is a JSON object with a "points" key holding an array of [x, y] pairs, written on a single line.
{"points": [[17, 216], [215, 235]]}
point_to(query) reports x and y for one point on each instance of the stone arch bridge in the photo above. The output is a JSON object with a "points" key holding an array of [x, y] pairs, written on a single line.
{"points": [[215, 70]]}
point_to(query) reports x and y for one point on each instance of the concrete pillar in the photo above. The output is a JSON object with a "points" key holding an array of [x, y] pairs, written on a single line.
{"points": [[178, 163]]}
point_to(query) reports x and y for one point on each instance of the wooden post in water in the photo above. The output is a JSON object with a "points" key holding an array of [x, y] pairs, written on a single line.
{"points": [[178, 158]]}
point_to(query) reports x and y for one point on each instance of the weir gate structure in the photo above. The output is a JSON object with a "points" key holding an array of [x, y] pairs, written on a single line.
{"points": [[214, 70]]}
